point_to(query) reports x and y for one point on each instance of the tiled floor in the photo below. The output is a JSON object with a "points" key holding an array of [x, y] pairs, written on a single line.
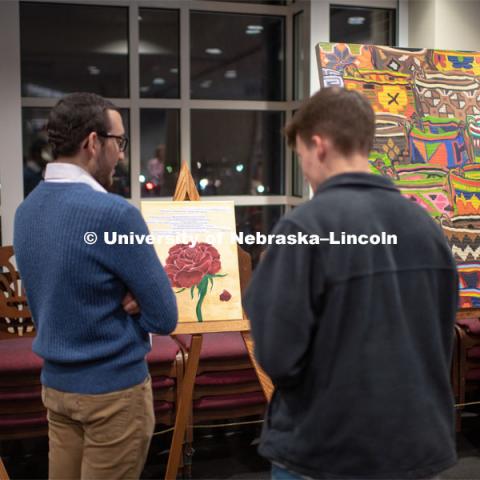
{"points": [[225, 453]]}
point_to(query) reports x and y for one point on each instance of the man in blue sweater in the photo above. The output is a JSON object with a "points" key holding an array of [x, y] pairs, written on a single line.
{"points": [[93, 304]]}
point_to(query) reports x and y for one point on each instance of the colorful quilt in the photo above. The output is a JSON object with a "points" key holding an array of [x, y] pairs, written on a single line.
{"points": [[427, 140]]}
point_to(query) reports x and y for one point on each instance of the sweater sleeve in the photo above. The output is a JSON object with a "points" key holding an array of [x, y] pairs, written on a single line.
{"points": [[280, 308], [138, 266]]}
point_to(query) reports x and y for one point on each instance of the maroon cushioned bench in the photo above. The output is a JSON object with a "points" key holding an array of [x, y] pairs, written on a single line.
{"points": [[22, 414], [164, 370], [226, 385], [226, 382], [467, 351]]}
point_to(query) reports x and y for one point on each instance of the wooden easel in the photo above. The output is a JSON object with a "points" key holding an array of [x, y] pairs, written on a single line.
{"points": [[3, 471], [186, 190]]}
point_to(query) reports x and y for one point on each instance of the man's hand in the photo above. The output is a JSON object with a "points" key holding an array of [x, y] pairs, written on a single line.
{"points": [[130, 305]]}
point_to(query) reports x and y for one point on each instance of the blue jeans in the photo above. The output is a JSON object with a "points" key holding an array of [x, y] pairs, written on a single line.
{"points": [[279, 473]]}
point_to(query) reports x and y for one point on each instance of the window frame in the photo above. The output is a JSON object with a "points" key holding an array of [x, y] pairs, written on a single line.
{"points": [[184, 104]]}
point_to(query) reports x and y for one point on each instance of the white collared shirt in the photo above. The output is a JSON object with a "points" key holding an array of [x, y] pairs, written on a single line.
{"points": [[70, 173]]}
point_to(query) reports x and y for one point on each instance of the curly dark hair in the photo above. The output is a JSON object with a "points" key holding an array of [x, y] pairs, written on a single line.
{"points": [[73, 118]]}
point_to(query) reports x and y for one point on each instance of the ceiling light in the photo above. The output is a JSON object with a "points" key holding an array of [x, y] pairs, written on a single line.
{"points": [[231, 74], [254, 29], [260, 189], [174, 70], [158, 81], [203, 183], [141, 178], [356, 20], [93, 70], [206, 84], [239, 168], [213, 51]]}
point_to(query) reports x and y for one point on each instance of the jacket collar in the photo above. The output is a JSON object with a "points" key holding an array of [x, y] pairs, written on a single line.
{"points": [[358, 179]]}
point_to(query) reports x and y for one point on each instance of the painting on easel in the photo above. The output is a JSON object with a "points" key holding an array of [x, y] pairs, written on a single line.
{"points": [[427, 108], [196, 243], [207, 270]]}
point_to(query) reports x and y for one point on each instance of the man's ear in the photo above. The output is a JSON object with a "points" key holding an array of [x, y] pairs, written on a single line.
{"points": [[318, 143], [91, 144]]}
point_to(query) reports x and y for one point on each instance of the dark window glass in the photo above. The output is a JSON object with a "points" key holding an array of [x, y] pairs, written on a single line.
{"points": [[258, 2], [121, 179], [254, 219], [237, 152], [298, 181], [362, 25], [299, 56], [160, 152], [237, 57], [36, 152], [159, 53], [69, 48]]}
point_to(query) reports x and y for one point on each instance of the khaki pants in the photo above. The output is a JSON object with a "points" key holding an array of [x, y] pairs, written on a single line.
{"points": [[104, 436]]}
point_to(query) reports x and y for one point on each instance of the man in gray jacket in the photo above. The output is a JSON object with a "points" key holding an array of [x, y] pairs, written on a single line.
{"points": [[355, 331]]}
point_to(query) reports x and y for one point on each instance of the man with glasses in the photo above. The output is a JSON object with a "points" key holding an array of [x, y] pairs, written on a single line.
{"points": [[93, 304]]}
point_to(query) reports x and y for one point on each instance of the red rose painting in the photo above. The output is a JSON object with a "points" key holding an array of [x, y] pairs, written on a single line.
{"points": [[193, 265]]}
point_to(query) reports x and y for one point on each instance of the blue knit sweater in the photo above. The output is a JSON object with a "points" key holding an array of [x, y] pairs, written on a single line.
{"points": [[88, 342]]}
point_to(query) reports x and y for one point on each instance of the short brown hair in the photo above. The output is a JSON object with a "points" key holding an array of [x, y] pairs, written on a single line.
{"points": [[344, 116]]}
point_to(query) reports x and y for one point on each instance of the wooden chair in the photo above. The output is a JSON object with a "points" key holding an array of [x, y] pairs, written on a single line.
{"points": [[15, 316], [22, 414]]}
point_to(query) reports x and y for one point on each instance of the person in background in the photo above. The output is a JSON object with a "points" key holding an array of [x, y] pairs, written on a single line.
{"points": [[93, 304], [155, 178], [357, 338], [34, 167]]}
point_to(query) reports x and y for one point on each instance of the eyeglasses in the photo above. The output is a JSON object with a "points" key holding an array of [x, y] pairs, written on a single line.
{"points": [[121, 140]]}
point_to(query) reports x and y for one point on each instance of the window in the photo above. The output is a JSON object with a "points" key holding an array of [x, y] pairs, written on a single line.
{"points": [[159, 51], [299, 69], [374, 26], [36, 152], [205, 82], [58, 56], [239, 57], [160, 162], [253, 219], [237, 152]]}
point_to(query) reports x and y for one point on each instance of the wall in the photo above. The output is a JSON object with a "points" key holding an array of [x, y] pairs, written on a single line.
{"points": [[457, 24], [444, 24], [421, 23], [10, 117]]}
